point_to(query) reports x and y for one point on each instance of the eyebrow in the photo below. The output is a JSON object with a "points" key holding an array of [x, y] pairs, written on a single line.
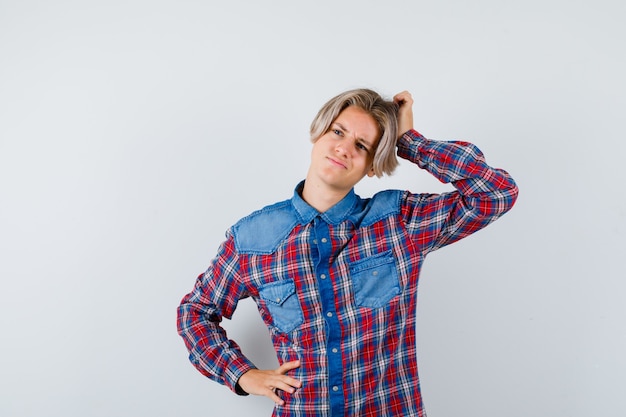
{"points": [[342, 127]]}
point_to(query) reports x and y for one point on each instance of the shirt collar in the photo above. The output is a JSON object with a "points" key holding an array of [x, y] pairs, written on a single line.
{"points": [[336, 214]]}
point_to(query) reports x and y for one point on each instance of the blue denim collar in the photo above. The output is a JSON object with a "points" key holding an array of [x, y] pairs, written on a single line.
{"points": [[334, 215]]}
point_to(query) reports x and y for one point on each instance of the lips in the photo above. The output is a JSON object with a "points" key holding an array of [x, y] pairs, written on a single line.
{"points": [[337, 163]]}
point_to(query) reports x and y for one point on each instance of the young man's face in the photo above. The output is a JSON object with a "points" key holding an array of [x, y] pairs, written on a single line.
{"points": [[343, 156]]}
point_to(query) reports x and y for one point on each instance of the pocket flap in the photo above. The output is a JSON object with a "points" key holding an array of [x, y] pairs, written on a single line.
{"points": [[277, 292]]}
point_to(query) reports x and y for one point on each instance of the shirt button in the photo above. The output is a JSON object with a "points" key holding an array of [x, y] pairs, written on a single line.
{"points": [[329, 314], [335, 388], [315, 241], [324, 240], [278, 300], [323, 276], [335, 350]]}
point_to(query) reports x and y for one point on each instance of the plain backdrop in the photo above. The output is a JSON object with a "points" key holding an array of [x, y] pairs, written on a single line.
{"points": [[134, 133]]}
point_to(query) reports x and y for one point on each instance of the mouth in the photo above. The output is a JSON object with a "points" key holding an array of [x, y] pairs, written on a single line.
{"points": [[337, 163]]}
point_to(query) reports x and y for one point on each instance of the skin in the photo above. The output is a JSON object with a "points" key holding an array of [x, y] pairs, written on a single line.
{"points": [[339, 160]]}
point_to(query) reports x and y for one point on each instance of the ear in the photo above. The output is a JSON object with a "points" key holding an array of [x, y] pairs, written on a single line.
{"points": [[371, 172]]}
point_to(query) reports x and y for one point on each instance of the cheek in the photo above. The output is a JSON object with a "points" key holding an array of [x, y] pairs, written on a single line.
{"points": [[365, 165], [316, 147]]}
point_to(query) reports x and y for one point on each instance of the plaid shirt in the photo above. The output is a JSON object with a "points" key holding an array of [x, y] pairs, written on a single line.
{"points": [[338, 290]]}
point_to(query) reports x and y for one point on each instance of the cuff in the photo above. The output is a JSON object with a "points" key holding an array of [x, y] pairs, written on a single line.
{"points": [[409, 143], [238, 368]]}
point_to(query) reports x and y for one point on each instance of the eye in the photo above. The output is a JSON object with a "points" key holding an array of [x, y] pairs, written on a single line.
{"points": [[362, 147], [337, 132]]}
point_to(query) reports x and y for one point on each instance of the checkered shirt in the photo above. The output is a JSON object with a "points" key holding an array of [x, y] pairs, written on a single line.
{"points": [[338, 290]]}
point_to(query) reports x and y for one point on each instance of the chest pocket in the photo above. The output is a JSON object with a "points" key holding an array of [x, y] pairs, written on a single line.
{"points": [[375, 280], [282, 302]]}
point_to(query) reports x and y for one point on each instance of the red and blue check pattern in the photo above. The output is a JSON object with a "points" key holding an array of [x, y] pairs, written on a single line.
{"points": [[338, 290]]}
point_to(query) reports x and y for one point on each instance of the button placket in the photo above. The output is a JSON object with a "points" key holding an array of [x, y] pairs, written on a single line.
{"points": [[323, 244]]}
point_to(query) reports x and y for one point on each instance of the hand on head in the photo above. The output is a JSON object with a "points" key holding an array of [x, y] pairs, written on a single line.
{"points": [[405, 113]]}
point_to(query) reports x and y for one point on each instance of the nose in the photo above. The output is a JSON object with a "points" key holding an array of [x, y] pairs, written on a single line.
{"points": [[344, 148]]}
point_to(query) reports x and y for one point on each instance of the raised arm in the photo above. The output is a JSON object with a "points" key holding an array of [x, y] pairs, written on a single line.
{"points": [[482, 194]]}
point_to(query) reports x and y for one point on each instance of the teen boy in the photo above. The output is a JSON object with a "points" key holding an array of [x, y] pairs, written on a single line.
{"points": [[334, 275]]}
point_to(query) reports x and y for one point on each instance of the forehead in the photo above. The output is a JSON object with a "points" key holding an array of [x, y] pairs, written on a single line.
{"points": [[359, 122]]}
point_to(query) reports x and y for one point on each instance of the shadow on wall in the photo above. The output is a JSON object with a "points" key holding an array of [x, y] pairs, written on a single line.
{"points": [[248, 330]]}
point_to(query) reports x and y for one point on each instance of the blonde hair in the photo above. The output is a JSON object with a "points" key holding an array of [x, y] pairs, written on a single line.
{"points": [[384, 112]]}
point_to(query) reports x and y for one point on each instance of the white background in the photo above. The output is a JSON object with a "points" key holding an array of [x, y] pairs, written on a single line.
{"points": [[134, 133]]}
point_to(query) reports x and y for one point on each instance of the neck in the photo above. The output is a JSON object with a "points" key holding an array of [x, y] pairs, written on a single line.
{"points": [[320, 197]]}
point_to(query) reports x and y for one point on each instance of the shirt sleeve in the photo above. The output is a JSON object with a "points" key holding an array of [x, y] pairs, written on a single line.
{"points": [[482, 194], [215, 295]]}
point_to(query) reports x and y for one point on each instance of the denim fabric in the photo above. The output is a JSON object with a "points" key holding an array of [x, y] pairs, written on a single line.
{"points": [[282, 302], [375, 280]]}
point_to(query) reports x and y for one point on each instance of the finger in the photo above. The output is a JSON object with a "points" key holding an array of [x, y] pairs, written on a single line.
{"points": [[288, 366], [285, 384], [288, 385], [272, 396], [290, 382], [402, 97], [404, 100], [400, 94]]}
